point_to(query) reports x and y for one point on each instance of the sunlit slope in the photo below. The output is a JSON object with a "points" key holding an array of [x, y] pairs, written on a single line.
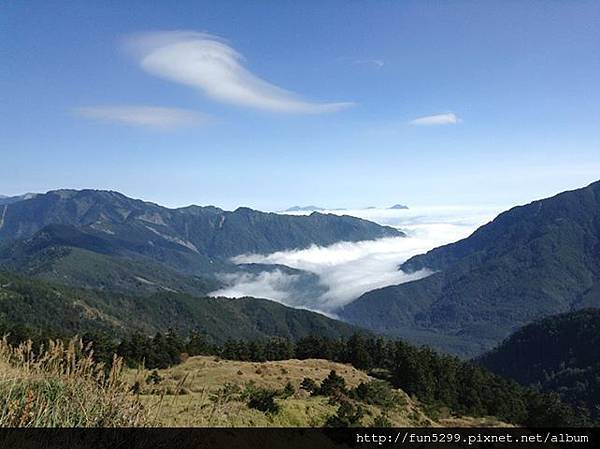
{"points": [[195, 393]]}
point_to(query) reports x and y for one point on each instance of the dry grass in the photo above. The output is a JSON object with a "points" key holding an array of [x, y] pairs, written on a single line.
{"points": [[62, 386], [192, 394], [207, 372]]}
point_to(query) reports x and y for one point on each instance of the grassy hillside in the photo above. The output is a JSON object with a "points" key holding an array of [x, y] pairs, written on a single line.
{"points": [[559, 353], [63, 386], [208, 391], [530, 262]]}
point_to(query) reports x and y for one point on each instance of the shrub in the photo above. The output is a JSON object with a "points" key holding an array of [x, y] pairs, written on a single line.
{"points": [[333, 386], [348, 415], [381, 421], [377, 392], [309, 385], [136, 388], [228, 392], [262, 399], [287, 391], [154, 378]]}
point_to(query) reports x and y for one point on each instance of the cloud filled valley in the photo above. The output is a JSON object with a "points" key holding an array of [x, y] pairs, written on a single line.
{"points": [[325, 278]]}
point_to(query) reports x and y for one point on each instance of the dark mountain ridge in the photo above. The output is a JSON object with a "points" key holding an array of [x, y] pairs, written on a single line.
{"points": [[56, 308], [559, 354], [530, 262], [103, 239], [206, 230]]}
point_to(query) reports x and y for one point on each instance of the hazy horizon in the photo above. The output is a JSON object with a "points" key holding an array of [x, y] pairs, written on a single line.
{"points": [[347, 209]]}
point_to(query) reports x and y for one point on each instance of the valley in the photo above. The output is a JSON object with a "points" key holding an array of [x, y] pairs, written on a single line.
{"points": [[144, 282], [316, 217]]}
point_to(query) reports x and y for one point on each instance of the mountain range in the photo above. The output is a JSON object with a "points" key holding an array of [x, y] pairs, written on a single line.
{"points": [[320, 209], [209, 231], [103, 239], [304, 209], [530, 262]]}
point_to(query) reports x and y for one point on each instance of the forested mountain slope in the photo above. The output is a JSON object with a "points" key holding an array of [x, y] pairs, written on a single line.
{"points": [[530, 262], [210, 231], [105, 240], [560, 353], [51, 307]]}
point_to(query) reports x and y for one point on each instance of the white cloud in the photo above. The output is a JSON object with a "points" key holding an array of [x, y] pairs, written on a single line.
{"points": [[207, 63], [346, 270], [378, 63], [274, 285], [439, 119], [147, 116]]}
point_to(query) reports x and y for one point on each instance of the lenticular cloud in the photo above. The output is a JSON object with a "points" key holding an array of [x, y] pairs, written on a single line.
{"points": [[207, 63], [346, 270]]}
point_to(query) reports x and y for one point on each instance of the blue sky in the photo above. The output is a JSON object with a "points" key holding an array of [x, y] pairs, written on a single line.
{"points": [[275, 103]]}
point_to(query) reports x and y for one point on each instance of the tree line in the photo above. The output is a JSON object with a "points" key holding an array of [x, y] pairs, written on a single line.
{"points": [[436, 380]]}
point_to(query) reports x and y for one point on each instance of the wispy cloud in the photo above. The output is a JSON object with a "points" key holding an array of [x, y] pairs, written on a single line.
{"points": [[438, 119], [146, 116], [377, 63], [207, 63]]}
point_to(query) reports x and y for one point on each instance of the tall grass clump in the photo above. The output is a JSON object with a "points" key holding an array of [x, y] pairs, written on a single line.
{"points": [[63, 386]]}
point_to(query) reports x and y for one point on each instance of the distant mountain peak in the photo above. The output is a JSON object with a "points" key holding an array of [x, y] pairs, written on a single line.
{"points": [[4, 199], [398, 207], [304, 209], [244, 210]]}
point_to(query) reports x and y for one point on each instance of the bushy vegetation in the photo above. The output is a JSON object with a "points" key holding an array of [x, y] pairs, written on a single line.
{"points": [[262, 399], [440, 381], [309, 385], [351, 401], [348, 415], [377, 392], [256, 397]]}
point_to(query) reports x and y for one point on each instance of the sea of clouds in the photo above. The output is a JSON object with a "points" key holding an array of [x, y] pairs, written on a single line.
{"points": [[346, 270]]}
